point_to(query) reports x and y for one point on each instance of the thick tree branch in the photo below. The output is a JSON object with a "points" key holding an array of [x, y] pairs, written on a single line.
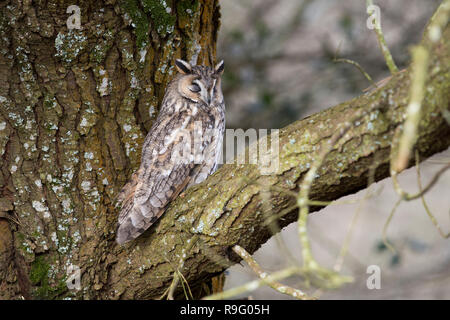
{"points": [[227, 208]]}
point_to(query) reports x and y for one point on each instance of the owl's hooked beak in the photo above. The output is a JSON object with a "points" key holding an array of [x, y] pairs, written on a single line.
{"points": [[205, 96], [209, 94]]}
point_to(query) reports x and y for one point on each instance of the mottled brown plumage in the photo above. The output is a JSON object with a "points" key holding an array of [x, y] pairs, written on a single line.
{"points": [[181, 149]]}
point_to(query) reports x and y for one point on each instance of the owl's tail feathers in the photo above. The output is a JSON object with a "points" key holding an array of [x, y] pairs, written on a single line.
{"points": [[126, 231], [134, 220]]}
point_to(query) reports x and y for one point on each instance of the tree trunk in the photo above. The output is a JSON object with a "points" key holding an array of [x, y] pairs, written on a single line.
{"points": [[76, 105]]}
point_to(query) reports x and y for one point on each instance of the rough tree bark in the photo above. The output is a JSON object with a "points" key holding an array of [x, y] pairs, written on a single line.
{"points": [[68, 146]]}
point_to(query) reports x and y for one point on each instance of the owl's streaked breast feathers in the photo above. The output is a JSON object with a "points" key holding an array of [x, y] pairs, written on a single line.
{"points": [[173, 158]]}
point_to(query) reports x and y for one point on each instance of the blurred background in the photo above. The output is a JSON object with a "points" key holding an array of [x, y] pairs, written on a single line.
{"points": [[280, 67]]}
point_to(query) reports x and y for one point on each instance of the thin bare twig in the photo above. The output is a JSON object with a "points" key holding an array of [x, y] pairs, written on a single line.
{"points": [[177, 272], [296, 293], [417, 92], [344, 249], [408, 197], [430, 214], [253, 285], [358, 66], [386, 225], [332, 278]]}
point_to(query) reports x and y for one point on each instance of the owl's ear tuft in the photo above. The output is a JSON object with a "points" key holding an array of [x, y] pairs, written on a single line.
{"points": [[219, 67], [183, 66]]}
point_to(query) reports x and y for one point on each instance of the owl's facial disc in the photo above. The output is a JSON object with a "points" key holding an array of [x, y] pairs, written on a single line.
{"points": [[198, 83]]}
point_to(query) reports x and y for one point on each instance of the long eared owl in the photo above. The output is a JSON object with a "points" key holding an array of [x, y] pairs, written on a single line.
{"points": [[181, 149]]}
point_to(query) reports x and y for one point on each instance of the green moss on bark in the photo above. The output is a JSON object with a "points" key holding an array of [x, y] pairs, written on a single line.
{"points": [[139, 21], [40, 278], [163, 20]]}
